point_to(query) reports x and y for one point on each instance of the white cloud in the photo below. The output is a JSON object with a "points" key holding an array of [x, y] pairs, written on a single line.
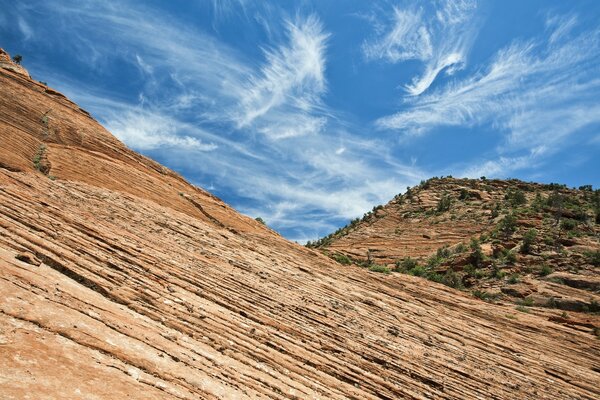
{"points": [[538, 93], [408, 39], [25, 28], [148, 131], [282, 97], [440, 39], [560, 26], [500, 167]]}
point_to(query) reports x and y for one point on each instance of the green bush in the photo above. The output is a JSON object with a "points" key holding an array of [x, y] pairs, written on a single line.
{"points": [[460, 248], [452, 279], [444, 203], [379, 268], [37, 159], [417, 271], [527, 301], [259, 219], [528, 240], [17, 58], [443, 252], [481, 294], [476, 256], [495, 211], [433, 261], [545, 270], [508, 225], [406, 264], [342, 259], [515, 197], [514, 278], [464, 194], [593, 257], [497, 273], [568, 224], [511, 257]]}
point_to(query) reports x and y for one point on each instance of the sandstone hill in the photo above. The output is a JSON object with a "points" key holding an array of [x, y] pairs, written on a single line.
{"points": [[119, 280], [502, 240]]}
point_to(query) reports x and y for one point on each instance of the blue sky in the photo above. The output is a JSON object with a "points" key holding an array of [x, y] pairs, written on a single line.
{"points": [[309, 113]]}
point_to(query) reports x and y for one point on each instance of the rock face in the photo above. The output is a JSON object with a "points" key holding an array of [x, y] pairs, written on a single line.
{"points": [[119, 279], [504, 241]]}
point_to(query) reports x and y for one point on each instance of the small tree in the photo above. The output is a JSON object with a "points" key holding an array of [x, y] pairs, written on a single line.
{"points": [[17, 58], [444, 203], [528, 240], [406, 264], [515, 197], [476, 256], [508, 225]]}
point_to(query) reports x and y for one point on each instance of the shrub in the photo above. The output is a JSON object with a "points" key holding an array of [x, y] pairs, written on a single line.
{"points": [[433, 261], [406, 264], [444, 203], [545, 270], [435, 277], [464, 194], [497, 273], [528, 240], [514, 278], [508, 225], [495, 211], [527, 301], [342, 259], [481, 294], [593, 257], [452, 279], [568, 224], [476, 256], [17, 58], [511, 257], [379, 268], [259, 219], [417, 271], [515, 197], [460, 248], [37, 159], [443, 252]]}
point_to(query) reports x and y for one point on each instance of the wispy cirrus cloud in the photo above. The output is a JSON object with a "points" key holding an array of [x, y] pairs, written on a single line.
{"points": [[283, 96], [250, 128], [527, 88], [536, 93], [439, 35]]}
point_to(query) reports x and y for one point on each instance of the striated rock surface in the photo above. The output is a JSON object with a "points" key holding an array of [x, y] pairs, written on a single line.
{"points": [[119, 280], [502, 240]]}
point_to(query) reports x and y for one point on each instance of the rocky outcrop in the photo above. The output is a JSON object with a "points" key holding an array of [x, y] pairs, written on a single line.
{"points": [[119, 279], [7, 63], [537, 245]]}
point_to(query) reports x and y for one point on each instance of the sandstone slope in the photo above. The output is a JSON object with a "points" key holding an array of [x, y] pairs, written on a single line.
{"points": [[503, 240], [120, 280]]}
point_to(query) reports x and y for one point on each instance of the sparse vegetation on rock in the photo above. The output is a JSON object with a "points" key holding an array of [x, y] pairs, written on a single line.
{"points": [[520, 235]]}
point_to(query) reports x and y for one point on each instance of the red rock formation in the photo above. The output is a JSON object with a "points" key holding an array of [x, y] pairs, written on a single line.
{"points": [[118, 280]]}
